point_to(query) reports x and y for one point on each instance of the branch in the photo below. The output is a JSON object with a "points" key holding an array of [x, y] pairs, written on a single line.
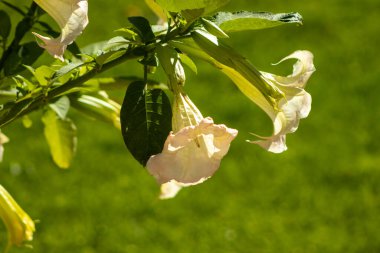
{"points": [[23, 107]]}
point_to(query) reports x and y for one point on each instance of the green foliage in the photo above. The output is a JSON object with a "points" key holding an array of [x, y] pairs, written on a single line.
{"points": [[60, 134], [5, 25], [235, 66], [313, 203], [143, 28], [145, 119], [246, 20], [26, 54]]}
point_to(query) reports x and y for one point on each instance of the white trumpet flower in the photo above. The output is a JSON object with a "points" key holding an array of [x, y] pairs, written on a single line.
{"points": [[71, 16], [192, 152], [295, 105]]}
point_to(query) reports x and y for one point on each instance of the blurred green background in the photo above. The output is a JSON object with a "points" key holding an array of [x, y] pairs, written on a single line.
{"points": [[322, 195]]}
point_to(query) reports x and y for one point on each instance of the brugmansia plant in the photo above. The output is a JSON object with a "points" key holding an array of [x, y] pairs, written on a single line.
{"points": [[161, 127]]}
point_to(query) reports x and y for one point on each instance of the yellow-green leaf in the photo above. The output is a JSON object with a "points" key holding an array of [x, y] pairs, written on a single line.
{"points": [[61, 137]]}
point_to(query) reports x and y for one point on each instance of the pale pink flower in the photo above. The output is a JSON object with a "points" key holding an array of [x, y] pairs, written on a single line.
{"points": [[193, 152]]}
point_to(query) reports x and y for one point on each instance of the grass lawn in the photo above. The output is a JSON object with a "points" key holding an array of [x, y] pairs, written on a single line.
{"points": [[320, 196]]}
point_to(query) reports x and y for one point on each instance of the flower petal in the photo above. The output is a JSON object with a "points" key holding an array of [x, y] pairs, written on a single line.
{"points": [[295, 106], [170, 189], [302, 70], [3, 139], [193, 154], [71, 16], [18, 223]]}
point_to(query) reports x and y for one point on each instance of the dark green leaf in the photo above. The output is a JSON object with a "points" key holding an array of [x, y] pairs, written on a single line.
{"points": [[145, 119], [245, 20], [26, 55], [5, 24], [74, 49], [143, 28], [150, 60]]}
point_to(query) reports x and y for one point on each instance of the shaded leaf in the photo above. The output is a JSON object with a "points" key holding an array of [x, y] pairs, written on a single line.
{"points": [[145, 119], [5, 24], [27, 54], [61, 137], [143, 28]]}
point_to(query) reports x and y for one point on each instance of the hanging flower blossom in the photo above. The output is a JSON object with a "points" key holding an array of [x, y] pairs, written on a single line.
{"points": [[295, 105], [282, 98], [285, 110], [18, 223], [192, 152], [3, 139], [71, 16]]}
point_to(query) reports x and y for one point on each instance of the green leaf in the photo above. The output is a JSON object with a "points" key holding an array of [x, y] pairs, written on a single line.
{"points": [[27, 54], [5, 25], [212, 28], [100, 108], [43, 74], [208, 6], [109, 56], [189, 62], [61, 137], [145, 119], [143, 28], [230, 58], [117, 43], [68, 68], [61, 107], [245, 20]]}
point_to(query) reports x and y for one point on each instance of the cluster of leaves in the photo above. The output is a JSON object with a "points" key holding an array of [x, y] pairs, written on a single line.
{"points": [[145, 114]]}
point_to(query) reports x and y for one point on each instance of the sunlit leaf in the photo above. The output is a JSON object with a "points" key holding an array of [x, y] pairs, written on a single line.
{"points": [[61, 137], [245, 20], [43, 74], [189, 62], [99, 108], [61, 107]]}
